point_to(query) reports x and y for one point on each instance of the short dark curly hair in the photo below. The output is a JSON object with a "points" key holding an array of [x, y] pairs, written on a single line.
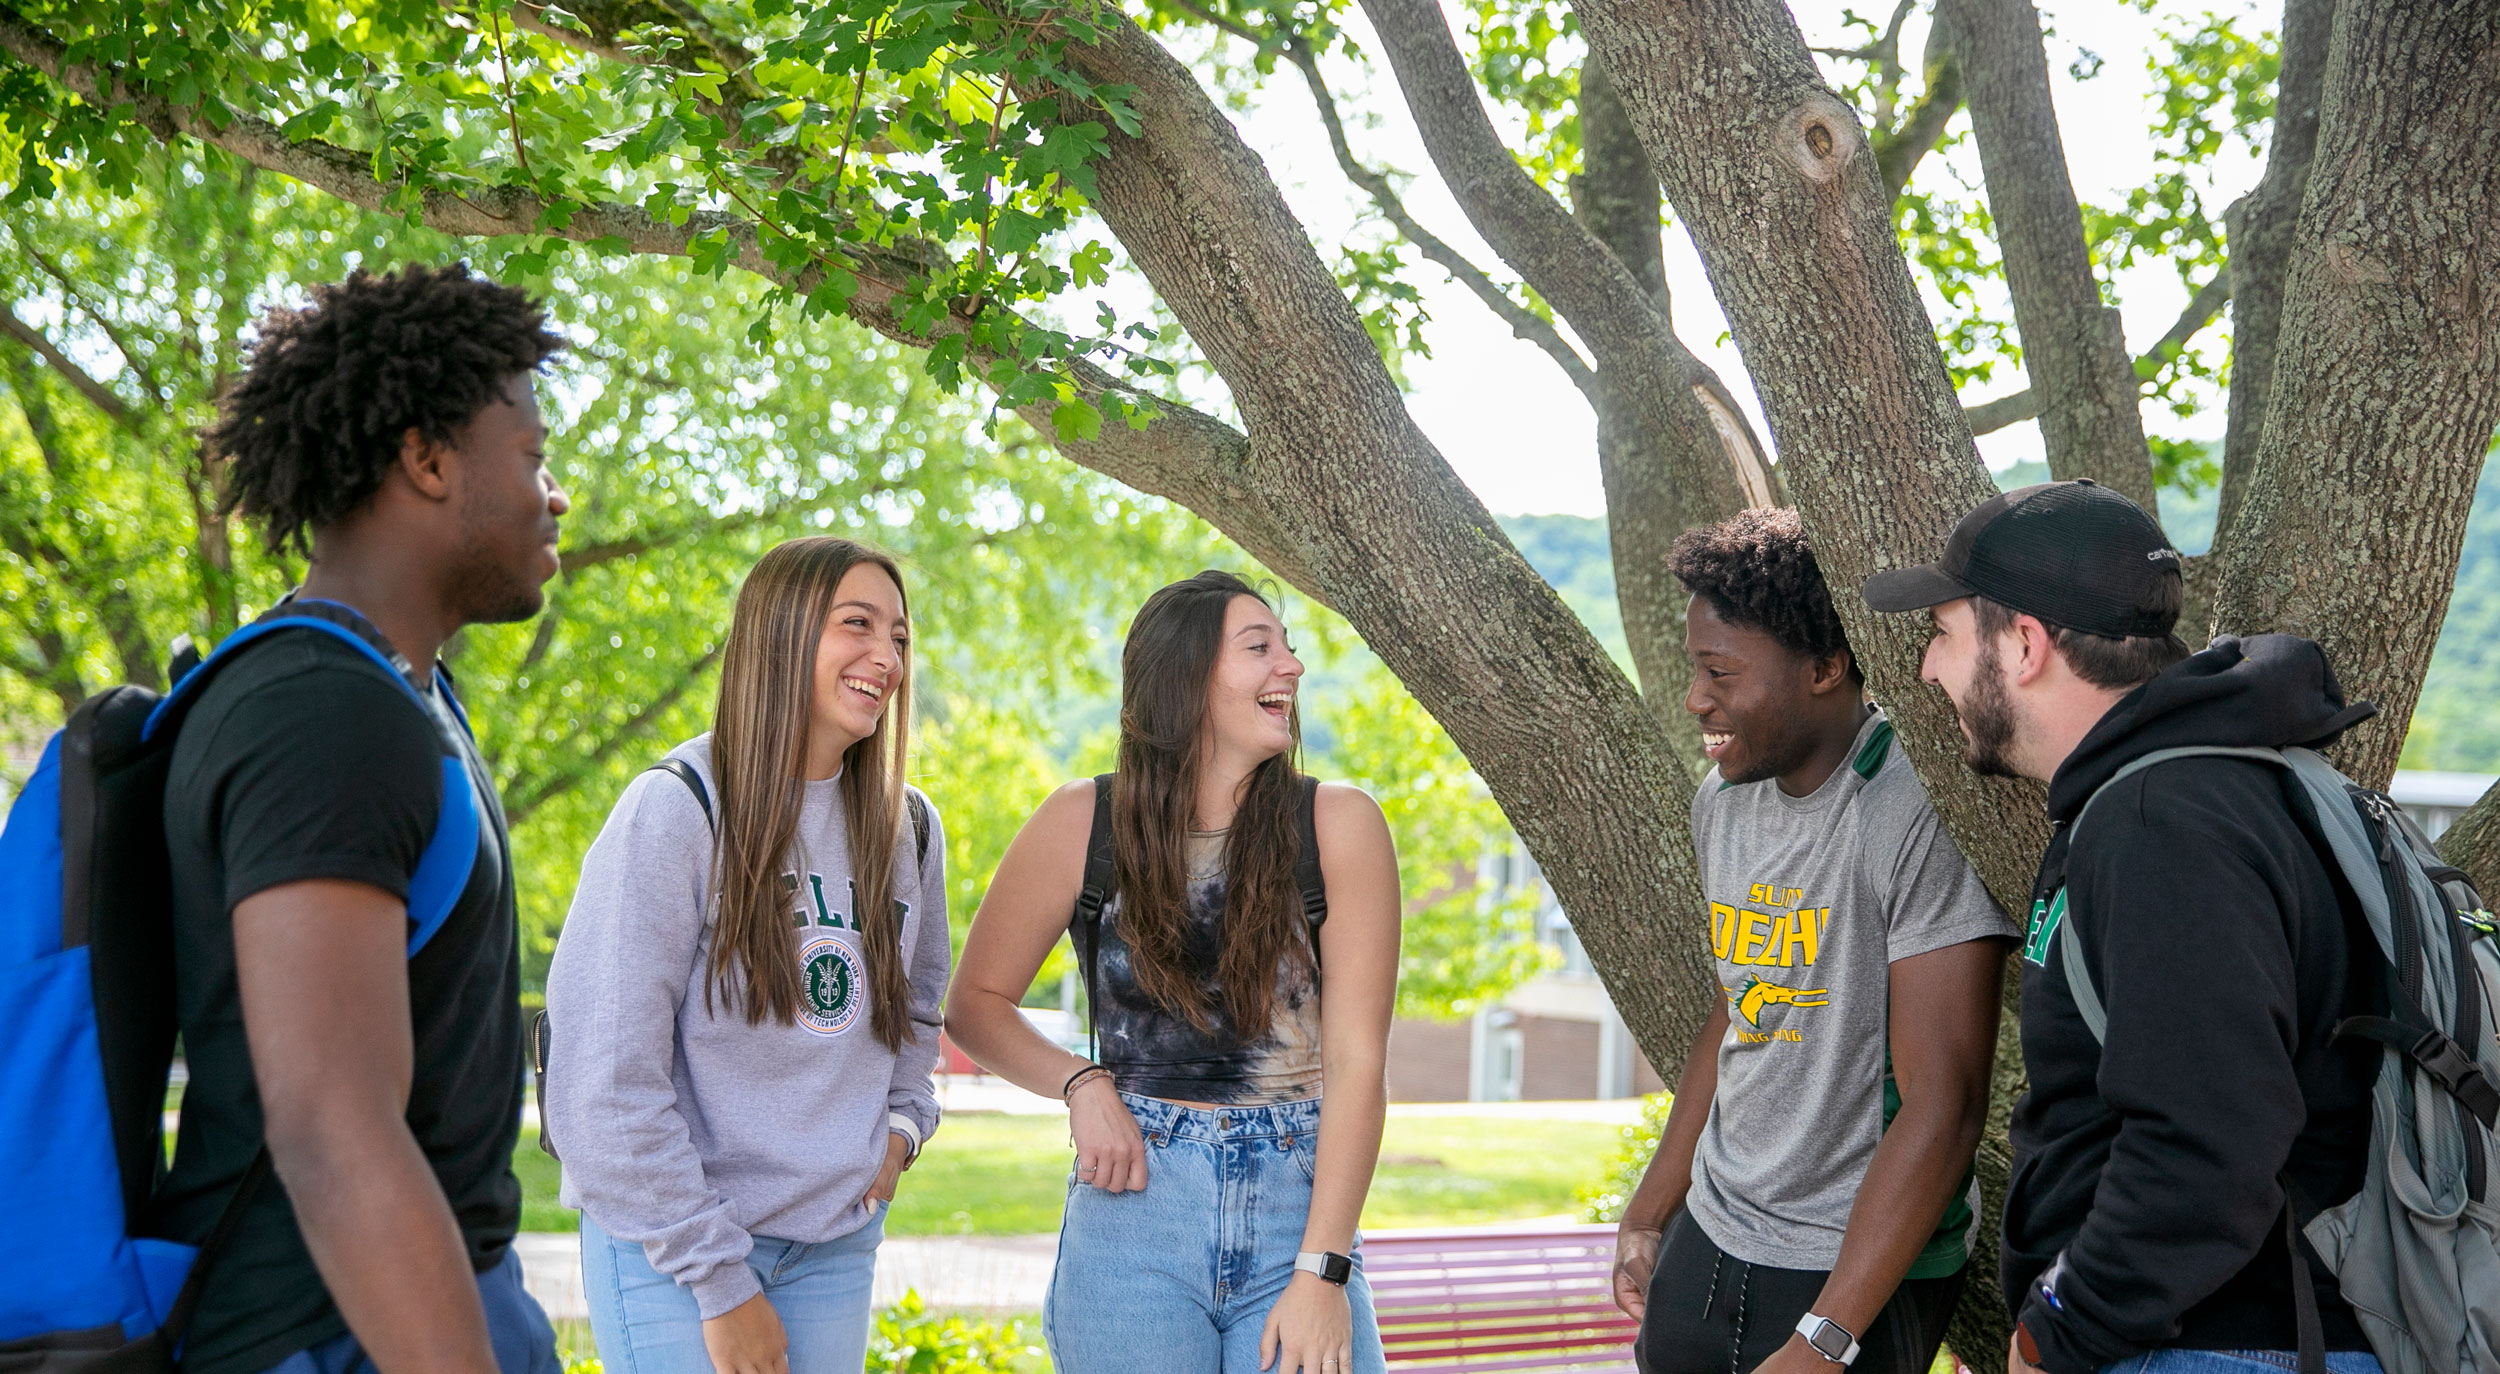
{"points": [[318, 415], [1756, 568]]}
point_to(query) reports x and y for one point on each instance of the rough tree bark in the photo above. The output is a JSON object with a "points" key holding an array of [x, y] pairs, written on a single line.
{"points": [[2386, 381], [1770, 173], [2074, 352], [2260, 235], [1665, 458], [1559, 735]]}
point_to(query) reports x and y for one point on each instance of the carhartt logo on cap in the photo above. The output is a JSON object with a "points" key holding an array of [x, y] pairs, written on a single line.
{"points": [[2166, 556]]}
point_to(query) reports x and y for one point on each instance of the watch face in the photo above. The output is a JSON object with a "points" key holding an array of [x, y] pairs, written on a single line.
{"points": [[1336, 1268], [1829, 1340]]}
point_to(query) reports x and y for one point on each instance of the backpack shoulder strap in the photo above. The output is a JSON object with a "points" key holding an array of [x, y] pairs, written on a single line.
{"points": [[919, 808], [685, 773], [1101, 879], [1306, 870], [2070, 945], [442, 871]]}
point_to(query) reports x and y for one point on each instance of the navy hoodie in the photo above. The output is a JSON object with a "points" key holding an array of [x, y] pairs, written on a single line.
{"points": [[2145, 1188]]}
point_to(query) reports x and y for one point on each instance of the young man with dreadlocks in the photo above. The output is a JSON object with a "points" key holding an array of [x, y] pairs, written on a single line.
{"points": [[1810, 1202], [388, 430]]}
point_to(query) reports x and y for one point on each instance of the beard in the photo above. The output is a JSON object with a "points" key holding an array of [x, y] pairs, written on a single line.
{"points": [[1988, 718], [485, 590]]}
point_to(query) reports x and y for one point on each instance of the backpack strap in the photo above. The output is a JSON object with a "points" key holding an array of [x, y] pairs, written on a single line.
{"points": [[918, 805], [2070, 945], [1102, 878], [442, 871], [685, 772], [1306, 872]]}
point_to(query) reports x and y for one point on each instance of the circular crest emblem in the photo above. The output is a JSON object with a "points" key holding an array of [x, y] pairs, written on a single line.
{"points": [[831, 975]]}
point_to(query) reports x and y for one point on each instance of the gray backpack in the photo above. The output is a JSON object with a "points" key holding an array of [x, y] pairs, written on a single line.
{"points": [[2417, 1250]]}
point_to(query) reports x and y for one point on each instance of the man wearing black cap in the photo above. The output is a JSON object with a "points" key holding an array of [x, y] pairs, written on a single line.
{"points": [[2144, 1221]]}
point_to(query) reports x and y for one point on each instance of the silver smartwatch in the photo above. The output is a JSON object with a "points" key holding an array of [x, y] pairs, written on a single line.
{"points": [[1829, 1338], [1328, 1264]]}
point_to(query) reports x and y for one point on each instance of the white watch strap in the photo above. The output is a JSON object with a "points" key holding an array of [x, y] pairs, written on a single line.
{"points": [[1310, 1262], [1810, 1326]]}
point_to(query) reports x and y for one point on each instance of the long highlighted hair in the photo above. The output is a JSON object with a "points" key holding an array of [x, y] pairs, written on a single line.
{"points": [[1164, 671], [759, 755]]}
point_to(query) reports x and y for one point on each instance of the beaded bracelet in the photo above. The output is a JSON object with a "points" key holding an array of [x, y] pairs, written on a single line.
{"points": [[1082, 1077]]}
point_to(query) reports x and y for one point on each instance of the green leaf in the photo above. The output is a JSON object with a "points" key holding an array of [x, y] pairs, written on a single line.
{"points": [[1077, 419]]}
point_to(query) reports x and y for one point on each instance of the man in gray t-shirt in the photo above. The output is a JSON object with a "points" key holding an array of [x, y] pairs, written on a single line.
{"points": [[1811, 1198]]}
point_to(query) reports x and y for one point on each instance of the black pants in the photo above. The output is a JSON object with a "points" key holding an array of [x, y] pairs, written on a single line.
{"points": [[1711, 1313]]}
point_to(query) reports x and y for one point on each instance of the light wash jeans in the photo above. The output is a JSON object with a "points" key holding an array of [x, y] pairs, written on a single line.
{"points": [[647, 1322], [2240, 1362], [1179, 1278]]}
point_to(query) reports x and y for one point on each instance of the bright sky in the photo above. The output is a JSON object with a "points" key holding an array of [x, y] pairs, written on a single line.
{"points": [[1504, 416]]}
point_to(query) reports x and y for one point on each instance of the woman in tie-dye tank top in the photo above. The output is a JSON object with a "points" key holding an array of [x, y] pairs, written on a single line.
{"points": [[1211, 1212]]}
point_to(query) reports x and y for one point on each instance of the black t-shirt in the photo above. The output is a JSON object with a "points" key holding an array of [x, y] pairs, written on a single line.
{"points": [[303, 760]]}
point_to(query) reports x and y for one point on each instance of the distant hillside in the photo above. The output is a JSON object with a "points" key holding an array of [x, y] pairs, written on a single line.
{"points": [[2456, 726]]}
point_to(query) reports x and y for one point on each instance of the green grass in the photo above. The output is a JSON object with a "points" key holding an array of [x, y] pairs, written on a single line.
{"points": [[1007, 1175]]}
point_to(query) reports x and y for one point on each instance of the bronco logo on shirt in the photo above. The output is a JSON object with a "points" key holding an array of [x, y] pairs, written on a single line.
{"points": [[831, 975]]}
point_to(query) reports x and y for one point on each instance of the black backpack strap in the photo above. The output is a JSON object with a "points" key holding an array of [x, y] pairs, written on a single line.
{"points": [[1102, 878], [1306, 871], [178, 1322], [685, 772], [2312, 1336], [919, 808]]}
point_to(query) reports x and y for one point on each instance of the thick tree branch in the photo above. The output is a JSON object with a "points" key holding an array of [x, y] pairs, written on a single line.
{"points": [[97, 393], [1181, 454], [1899, 151], [2472, 842], [2073, 349], [1528, 695], [1524, 323], [2386, 382], [1665, 462], [2260, 226], [1989, 416]]}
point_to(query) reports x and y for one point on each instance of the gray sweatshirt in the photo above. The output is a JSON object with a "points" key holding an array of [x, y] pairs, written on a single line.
{"points": [[687, 1129]]}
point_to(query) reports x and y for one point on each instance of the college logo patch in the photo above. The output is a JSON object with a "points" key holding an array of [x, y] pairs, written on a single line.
{"points": [[2046, 916], [831, 976]]}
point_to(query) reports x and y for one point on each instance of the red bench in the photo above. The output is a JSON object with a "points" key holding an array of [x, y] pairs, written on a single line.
{"points": [[1483, 1298]]}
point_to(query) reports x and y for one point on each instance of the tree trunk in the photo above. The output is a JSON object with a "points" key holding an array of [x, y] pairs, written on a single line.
{"points": [[1339, 467], [1661, 453], [2386, 378], [1770, 173], [2074, 351], [2260, 229], [1616, 197]]}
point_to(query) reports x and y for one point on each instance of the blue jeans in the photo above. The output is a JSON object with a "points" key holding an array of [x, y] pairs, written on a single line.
{"points": [[2240, 1362], [515, 1325], [1180, 1277], [647, 1322]]}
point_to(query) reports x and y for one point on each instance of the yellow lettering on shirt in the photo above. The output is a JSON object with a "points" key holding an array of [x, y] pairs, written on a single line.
{"points": [[1749, 936], [1803, 935], [1722, 929]]}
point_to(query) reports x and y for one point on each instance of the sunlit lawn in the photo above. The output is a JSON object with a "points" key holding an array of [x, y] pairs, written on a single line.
{"points": [[988, 1174]]}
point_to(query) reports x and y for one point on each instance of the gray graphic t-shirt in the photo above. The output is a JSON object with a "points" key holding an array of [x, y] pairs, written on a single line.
{"points": [[1811, 899]]}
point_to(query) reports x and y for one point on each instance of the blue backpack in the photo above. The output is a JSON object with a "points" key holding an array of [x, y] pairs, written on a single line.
{"points": [[87, 1015]]}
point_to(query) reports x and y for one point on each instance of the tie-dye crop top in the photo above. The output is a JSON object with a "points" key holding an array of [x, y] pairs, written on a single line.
{"points": [[1154, 1053]]}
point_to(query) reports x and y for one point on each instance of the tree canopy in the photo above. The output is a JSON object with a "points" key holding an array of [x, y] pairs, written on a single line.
{"points": [[943, 172]]}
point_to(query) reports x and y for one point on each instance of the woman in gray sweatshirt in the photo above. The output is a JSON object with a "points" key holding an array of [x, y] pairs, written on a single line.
{"points": [[745, 997]]}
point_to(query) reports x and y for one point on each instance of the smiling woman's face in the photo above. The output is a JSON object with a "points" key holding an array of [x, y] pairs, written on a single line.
{"points": [[1250, 693], [859, 658]]}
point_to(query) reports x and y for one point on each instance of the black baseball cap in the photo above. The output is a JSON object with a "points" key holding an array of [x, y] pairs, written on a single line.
{"points": [[2075, 554]]}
